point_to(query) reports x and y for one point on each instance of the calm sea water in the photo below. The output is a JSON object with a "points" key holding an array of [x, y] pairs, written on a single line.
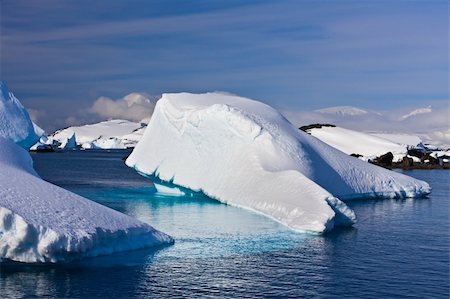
{"points": [[398, 248]]}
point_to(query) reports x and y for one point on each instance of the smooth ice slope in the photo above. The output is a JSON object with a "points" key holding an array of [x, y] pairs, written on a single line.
{"points": [[246, 154], [354, 142], [40, 222], [15, 123]]}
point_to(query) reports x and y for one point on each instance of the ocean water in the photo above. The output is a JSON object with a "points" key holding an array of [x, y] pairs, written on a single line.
{"points": [[398, 248]]}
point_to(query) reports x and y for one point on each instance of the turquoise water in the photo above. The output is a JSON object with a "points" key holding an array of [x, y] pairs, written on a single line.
{"points": [[398, 248]]}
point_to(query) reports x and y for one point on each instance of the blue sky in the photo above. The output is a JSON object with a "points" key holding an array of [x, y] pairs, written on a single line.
{"points": [[58, 57]]}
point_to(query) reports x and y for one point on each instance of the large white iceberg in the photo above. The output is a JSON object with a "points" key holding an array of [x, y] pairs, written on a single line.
{"points": [[245, 153], [40, 222]]}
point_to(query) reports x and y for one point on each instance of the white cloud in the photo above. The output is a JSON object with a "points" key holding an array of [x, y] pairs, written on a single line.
{"points": [[135, 106]]}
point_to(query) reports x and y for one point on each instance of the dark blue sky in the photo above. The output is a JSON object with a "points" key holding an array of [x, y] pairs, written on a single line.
{"points": [[60, 56]]}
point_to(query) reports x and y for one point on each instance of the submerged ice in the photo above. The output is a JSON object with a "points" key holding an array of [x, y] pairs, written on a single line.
{"points": [[246, 154]]}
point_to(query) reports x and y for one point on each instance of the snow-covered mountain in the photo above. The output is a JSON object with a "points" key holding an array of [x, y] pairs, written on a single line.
{"points": [[43, 223], [111, 134], [245, 153], [343, 111]]}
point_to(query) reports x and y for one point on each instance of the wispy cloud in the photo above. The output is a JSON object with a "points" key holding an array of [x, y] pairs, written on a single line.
{"points": [[296, 54]]}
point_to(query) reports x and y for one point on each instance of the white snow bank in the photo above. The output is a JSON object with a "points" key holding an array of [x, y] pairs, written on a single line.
{"points": [[40, 222], [353, 142], [15, 123], [246, 154], [111, 134]]}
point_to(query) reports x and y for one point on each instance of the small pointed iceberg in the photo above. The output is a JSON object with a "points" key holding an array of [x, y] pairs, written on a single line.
{"points": [[245, 153]]}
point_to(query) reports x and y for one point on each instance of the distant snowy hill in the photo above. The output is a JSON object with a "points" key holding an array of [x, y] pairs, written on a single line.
{"points": [[372, 146], [343, 111], [111, 134], [43, 223], [354, 142], [431, 125], [245, 153]]}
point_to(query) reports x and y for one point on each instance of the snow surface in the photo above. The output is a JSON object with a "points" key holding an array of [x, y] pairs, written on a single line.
{"points": [[246, 154], [354, 142], [15, 123], [131, 139], [111, 134], [405, 139]]}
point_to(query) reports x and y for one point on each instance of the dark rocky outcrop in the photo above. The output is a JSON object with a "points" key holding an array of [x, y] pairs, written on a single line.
{"points": [[428, 159], [419, 153], [406, 163], [383, 160], [315, 126]]}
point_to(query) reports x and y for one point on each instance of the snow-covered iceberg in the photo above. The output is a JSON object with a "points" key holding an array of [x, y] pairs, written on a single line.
{"points": [[15, 123], [245, 153], [40, 222], [110, 134]]}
